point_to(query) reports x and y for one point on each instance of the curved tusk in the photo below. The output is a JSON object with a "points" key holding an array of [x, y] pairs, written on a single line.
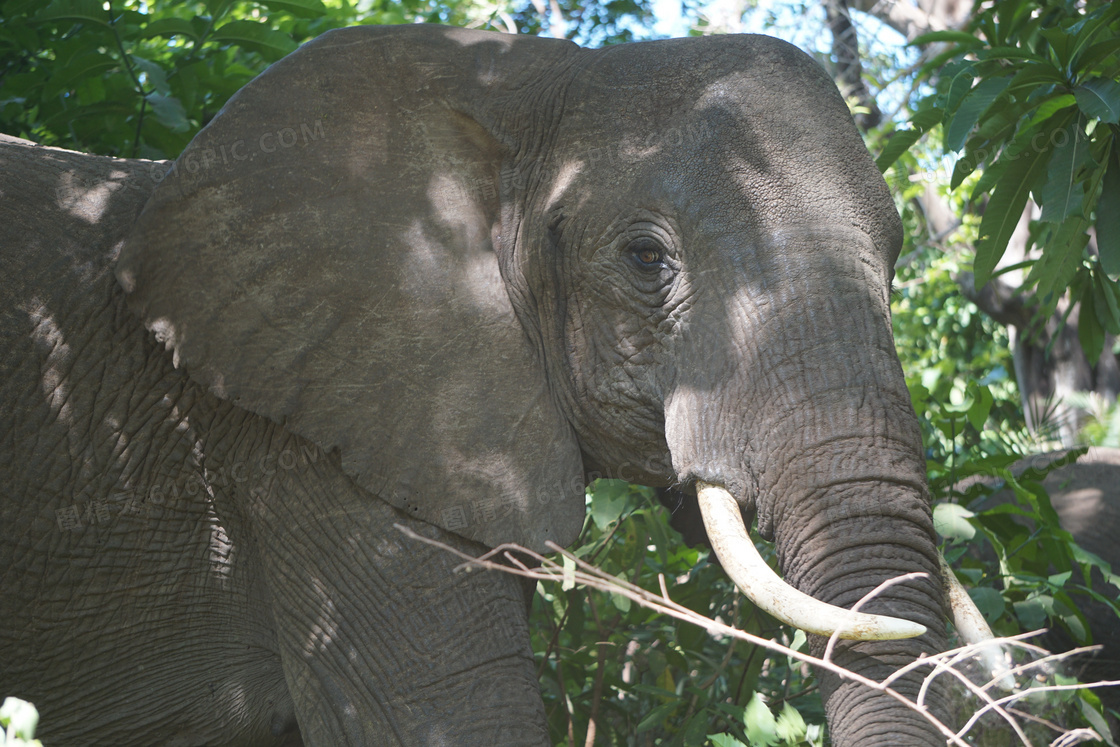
{"points": [[968, 619], [973, 628], [744, 565]]}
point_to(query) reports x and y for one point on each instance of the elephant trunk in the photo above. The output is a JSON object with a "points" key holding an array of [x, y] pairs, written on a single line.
{"points": [[805, 419]]}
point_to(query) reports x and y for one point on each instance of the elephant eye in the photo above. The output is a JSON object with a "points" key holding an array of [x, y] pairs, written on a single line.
{"points": [[646, 252]]}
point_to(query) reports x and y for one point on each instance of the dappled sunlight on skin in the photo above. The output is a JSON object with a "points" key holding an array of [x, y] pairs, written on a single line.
{"points": [[565, 177], [166, 334], [87, 202], [48, 338], [322, 632]]}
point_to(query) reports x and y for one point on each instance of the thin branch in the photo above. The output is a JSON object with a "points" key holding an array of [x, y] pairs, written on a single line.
{"points": [[132, 74], [587, 575]]}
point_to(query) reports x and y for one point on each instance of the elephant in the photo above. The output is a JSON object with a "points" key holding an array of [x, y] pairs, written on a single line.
{"points": [[437, 278]]}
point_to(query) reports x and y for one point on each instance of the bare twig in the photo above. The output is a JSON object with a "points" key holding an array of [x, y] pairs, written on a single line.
{"points": [[590, 576]]}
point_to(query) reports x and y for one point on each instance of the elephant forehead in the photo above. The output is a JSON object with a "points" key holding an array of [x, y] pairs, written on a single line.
{"points": [[754, 130]]}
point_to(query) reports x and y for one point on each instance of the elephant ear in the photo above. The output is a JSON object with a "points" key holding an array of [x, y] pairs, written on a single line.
{"points": [[326, 254]]}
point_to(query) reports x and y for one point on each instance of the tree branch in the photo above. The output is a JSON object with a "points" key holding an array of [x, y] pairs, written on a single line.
{"points": [[997, 299]]}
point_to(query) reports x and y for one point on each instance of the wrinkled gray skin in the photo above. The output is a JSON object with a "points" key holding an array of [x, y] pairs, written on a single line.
{"points": [[437, 277]]}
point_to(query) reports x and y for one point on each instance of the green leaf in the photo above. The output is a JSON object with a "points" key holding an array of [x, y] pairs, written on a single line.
{"points": [[656, 716], [257, 37], [1064, 192], [1092, 714], [304, 8], [1061, 258], [1060, 42], [1009, 53], [1089, 330], [19, 717], [82, 66], [959, 87], [1108, 216], [950, 520], [791, 726], [1033, 75], [1100, 98], [169, 112], [1050, 107], [168, 27], [1098, 52], [1032, 613], [762, 728], [88, 11], [953, 37], [569, 577], [968, 113], [608, 501], [725, 740], [981, 407], [1084, 30], [988, 601], [991, 176], [1005, 207], [156, 77], [1105, 302], [899, 142]]}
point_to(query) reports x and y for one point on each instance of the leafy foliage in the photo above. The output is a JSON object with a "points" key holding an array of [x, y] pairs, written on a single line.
{"points": [[644, 679], [140, 78], [1032, 97]]}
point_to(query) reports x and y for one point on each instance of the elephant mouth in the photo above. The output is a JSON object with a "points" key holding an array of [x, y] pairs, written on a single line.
{"points": [[755, 579]]}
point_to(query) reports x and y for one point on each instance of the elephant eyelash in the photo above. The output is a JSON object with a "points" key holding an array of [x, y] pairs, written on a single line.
{"points": [[895, 293]]}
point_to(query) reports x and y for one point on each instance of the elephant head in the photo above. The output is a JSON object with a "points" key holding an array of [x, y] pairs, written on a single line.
{"points": [[482, 267]]}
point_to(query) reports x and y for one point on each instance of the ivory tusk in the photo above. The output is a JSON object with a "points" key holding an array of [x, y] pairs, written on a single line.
{"points": [[968, 619], [744, 565], [973, 628]]}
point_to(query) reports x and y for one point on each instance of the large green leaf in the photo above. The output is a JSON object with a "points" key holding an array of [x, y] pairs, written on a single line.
{"points": [[1034, 74], [955, 37], [1009, 197], [950, 520], [1108, 216], [81, 66], [1089, 330], [156, 77], [968, 113], [168, 27], [258, 37], [1064, 191], [1050, 107], [901, 140], [1106, 303], [86, 11], [1060, 260], [1098, 52], [762, 727], [169, 112], [1100, 98], [988, 601], [305, 8]]}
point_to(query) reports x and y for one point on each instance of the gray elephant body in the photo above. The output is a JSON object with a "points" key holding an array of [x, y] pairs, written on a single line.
{"points": [[136, 591], [439, 298]]}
